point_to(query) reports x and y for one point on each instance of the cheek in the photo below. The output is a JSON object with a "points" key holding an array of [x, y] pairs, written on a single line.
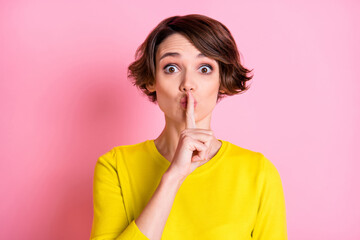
{"points": [[213, 89], [164, 91], [209, 96], [165, 97]]}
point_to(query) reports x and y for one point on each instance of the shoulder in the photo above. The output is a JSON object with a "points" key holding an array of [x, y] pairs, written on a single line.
{"points": [[111, 156], [244, 155], [249, 159]]}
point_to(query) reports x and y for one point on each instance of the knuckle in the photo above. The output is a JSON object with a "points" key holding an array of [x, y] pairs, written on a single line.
{"points": [[183, 133], [186, 139]]}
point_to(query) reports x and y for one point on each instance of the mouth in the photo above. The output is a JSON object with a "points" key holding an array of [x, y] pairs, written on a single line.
{"points": [[183, 102]]}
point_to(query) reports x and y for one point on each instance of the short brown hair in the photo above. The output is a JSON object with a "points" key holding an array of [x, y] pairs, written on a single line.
{"points": [[209, 36]]}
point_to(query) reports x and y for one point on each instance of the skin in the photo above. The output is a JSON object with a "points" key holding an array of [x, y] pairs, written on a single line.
{"points": [[187, 140], [186, 73]]}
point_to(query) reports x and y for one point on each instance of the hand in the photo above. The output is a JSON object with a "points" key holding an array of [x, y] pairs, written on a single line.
{"points": [[194, 145]]}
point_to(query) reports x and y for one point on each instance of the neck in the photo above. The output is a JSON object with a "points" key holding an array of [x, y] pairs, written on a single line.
{"points": [[167, 141]]}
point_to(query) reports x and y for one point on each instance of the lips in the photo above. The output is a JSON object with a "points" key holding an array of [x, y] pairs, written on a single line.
{"points": [[183, 102]]}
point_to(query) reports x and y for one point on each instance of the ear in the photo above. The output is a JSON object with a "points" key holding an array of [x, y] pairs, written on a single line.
{"points": [[221, 90], [150, 87]]}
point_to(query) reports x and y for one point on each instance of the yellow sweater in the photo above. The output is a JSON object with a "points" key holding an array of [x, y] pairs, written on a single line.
{"points": [[236, 195]]}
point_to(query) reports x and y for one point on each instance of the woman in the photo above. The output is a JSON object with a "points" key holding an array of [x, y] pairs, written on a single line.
{"points": [[187, 184]]}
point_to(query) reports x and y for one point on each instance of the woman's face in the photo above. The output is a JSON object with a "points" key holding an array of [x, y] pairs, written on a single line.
{"points": [[181, 67]]}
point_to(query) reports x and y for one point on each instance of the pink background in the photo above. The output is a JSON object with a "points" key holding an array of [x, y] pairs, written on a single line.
{"points": [[65, 100]]}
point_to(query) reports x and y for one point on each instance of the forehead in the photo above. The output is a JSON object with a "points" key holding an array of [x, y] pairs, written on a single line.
{"points": [[176, 43]]}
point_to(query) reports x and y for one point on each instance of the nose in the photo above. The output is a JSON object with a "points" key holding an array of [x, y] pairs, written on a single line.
{"points": [[188, 82]]}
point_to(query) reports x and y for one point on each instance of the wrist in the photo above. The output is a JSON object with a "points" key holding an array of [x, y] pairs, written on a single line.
{"points": [[173, 177]]}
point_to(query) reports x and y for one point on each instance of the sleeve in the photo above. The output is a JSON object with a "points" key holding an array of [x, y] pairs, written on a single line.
{"points": [[110, 219], [271, 217]]}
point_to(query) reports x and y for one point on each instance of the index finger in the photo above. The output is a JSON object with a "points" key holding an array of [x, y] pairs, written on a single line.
{"points": [[190, 116]]}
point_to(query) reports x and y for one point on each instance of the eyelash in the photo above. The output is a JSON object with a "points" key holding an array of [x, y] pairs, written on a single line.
{"points": [[173, 65]]}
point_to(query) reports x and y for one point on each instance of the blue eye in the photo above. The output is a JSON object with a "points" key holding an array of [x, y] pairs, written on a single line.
{"points": [[170, 69], [206, 69]]}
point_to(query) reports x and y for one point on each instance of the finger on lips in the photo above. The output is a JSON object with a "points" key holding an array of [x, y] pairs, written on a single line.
{"points": [[190, 118], [190, 123]]}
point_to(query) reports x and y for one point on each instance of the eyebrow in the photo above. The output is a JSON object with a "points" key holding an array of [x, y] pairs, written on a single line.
{"points": [[175, 54]]}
